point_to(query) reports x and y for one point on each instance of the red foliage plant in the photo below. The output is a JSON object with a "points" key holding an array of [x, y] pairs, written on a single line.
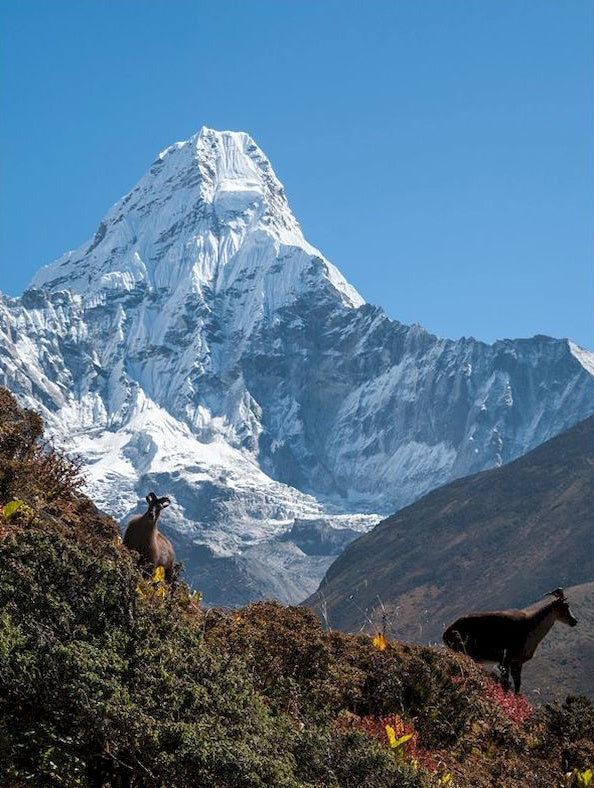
{"points": [[515, 707], [376, 727]]}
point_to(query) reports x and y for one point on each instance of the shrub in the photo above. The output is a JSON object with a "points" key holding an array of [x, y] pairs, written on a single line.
{"points": [[31, 468], [568, 732]]}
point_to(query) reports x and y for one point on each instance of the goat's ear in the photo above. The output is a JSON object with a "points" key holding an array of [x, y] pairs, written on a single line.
{"points": [[163, 502], [559, 593], [151, 498]]}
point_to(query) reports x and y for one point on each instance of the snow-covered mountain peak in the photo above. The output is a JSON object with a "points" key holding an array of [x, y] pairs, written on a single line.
{"points": [[197, 345], [234, 176], [210, 215]]}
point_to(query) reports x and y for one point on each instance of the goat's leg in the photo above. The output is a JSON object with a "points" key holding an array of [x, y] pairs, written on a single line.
{"points": [[504, 672], [516, 671]]}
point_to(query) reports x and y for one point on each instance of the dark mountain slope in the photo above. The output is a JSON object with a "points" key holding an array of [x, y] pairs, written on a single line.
{"points": [[497, 539]]}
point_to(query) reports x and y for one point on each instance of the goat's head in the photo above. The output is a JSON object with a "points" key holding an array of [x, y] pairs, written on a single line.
{"points": [[156, 505], [562, 608]]}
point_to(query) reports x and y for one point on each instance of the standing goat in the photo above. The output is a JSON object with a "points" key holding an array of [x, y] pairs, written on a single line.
{"points": [[508, 637], [142, 535]]}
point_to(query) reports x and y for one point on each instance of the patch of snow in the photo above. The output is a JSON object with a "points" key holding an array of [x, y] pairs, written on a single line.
{"points": [[585, 357]]}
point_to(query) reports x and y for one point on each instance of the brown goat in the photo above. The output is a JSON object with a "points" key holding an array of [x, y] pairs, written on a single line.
{"points": [[508, 637], [142, 535]]}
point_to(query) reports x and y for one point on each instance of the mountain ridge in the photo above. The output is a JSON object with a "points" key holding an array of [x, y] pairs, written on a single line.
{"points": [[200, 345]]}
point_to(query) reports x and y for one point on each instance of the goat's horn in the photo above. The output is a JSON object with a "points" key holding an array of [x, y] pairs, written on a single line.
{"points": [[558, 592]]}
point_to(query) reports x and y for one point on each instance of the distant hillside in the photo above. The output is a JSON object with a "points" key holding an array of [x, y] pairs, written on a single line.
{"points": [[497, 539]]}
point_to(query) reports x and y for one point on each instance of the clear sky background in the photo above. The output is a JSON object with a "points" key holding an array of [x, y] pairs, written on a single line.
{"points": [[438, 152]]}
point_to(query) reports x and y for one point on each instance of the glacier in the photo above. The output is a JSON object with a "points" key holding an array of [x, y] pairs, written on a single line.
{"points": [[199, 346]]}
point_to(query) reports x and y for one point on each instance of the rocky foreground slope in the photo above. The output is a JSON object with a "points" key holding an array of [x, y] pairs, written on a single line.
{"points": [[110, 678]]}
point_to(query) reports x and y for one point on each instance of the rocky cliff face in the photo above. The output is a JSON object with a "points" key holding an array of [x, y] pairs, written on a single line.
{"points": [[199, 345]]}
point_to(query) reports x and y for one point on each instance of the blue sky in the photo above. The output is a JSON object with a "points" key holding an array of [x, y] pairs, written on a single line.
{"points": [[439, 152]]}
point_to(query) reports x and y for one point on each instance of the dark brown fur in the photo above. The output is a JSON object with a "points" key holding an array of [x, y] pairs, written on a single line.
{"points": [[508, 637], [142, 535]]}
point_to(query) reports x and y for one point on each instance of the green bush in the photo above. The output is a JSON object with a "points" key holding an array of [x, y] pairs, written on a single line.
{"points": [[115, 685]]}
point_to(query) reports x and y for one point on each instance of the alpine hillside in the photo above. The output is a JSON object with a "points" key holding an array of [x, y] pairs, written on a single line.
{"points": [[496, 540], [200, 347]]}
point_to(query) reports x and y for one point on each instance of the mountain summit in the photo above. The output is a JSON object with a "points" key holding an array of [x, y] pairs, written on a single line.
{"points": [[198, 346], [208, 211]]}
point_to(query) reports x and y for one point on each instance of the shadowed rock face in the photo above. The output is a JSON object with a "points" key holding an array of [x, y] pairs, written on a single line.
{"points": [[198, 339]]}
